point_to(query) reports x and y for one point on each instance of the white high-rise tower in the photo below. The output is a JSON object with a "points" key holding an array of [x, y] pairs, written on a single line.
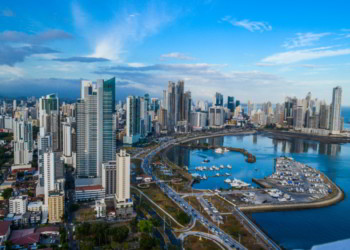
{"points": [[335, 119]]}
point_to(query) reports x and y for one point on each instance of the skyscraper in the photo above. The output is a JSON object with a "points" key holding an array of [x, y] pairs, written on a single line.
{"points": [[67, 139], [49, 111], [335, 119], [231, 103], [187, 107], [216, 116], [218, 99], [324, 116], [133, 120], [106, 124], [171, 106], [23, 142], [179, 102], [53, 172], [123, 178], [96, 140], [87, 132]]}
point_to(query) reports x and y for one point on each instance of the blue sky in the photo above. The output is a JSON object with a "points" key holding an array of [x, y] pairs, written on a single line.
{"points": [[253, 50]]}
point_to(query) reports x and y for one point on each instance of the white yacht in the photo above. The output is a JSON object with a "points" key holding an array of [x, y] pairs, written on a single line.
{"points": [[238, 183], [228, 180], [219, 151], [217, 174], [227, 174], [221, 166], [229, 166]]}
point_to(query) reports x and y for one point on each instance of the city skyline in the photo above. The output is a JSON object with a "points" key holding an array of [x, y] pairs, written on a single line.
{"points": [[233, 50]]}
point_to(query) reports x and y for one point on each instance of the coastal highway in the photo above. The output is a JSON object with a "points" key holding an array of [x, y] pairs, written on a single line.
{"points": [[227, 240]]}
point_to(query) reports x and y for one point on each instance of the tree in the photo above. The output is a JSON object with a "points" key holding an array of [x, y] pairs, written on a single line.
{"points": [[133, 225], [119, 234], [183, 218], [145, 226], [8, 244], [147, 242], [7, 193]]}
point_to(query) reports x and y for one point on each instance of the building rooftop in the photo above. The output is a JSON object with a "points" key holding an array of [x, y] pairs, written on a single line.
{"points": [[4, 226], [87, 188], [87, 182], [47, 229]]}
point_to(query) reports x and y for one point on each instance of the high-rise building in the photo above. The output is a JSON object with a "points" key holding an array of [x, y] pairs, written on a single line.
{"points": [[298, 116], [96, 140], [106, 124], [67, 139], [53, 173], [49, 116], [324, 116], [55, 206], [14, 106], [199, 119], [179, 102], [335, 118], [87, 131], [231, 103], [238, 103], [218, 99], [187, 107], [123, 179], [133, 120], [216, 116], [18, 205], [171, 103], [23, 142], [163, 118], [109, 175]]}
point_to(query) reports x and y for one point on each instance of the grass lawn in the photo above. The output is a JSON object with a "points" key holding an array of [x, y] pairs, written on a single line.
{"points": [[194, 242]]}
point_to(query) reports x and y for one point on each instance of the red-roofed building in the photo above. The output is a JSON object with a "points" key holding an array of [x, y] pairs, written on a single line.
{"points": [[5, 231], [25, 237], [48, 230]]}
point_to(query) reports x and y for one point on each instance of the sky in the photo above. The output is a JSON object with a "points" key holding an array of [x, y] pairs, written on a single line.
{"points": [[253, 50]]}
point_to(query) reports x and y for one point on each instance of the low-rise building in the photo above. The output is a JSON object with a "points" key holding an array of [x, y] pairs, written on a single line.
{"points": [[5, 231], [100, 208], [18, 205], [88, 193], [35, 206]]}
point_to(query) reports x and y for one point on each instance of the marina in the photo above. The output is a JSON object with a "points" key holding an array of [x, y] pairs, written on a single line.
{"points": [[330, 159]]}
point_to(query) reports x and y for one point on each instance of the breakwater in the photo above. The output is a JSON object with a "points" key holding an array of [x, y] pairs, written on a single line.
{"points": [[250, 158]]}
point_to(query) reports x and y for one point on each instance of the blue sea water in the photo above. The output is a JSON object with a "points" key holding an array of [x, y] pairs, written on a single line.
{"points": [[291, 229]]}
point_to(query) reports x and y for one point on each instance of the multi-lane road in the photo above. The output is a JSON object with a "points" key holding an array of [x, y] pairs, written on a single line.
{"points": [[225, 239]]}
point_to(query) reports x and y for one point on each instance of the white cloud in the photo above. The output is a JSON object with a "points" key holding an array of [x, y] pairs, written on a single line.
{"points": [[249, 25], [303, 55], [177, 55], [6, 70], [304, 39], [111, 39]]}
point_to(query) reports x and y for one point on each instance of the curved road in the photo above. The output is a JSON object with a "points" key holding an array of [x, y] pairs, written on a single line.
{"points": [[227, 240], [212, 237]]}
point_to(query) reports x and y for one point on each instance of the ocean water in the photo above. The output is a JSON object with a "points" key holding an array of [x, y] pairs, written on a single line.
{"points": [[292, 229]]}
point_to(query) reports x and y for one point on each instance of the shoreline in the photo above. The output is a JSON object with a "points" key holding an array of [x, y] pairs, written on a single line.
{"points": [[294, 206], [285, 135], [276, 207]]}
